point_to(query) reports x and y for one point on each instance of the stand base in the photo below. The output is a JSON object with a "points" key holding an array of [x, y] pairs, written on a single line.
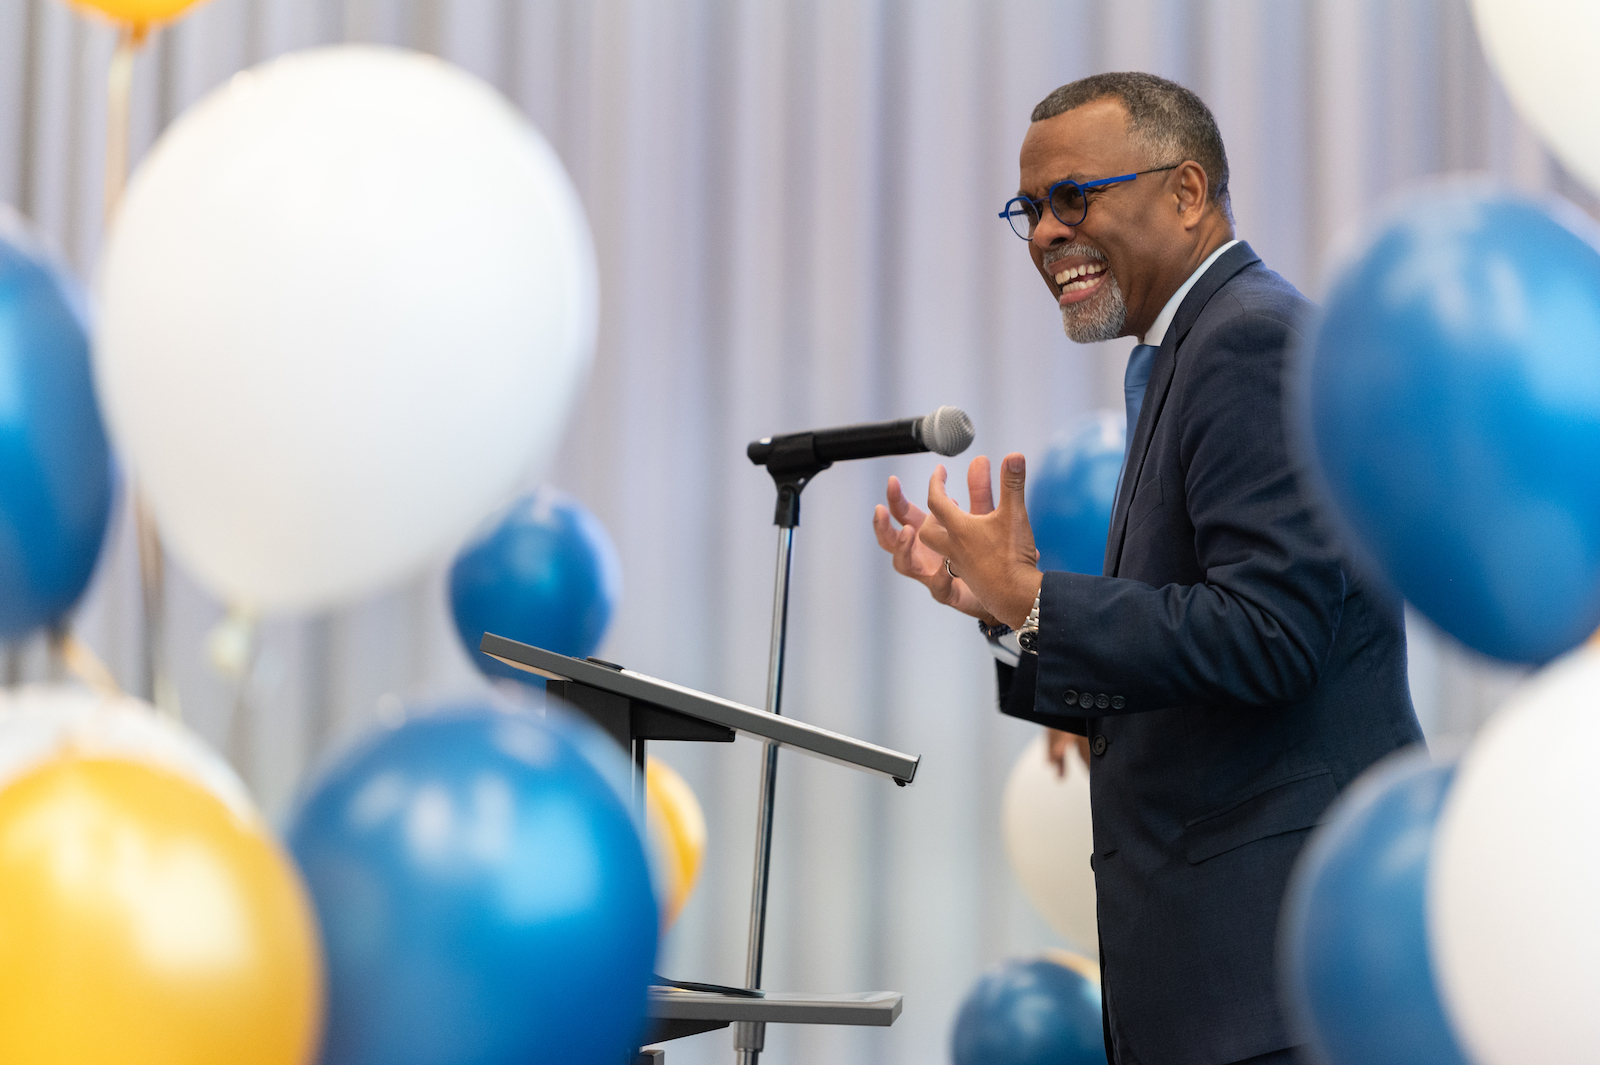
{"points": [[675, 1014]]}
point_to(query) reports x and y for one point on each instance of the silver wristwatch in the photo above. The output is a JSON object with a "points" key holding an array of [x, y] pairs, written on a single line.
{"points": [[1028, 635]]}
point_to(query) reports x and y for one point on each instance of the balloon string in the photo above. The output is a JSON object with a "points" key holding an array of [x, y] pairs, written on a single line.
{"points": [[119, 113], [85, 664], [152, 577], [153, 592], [234, 645]]}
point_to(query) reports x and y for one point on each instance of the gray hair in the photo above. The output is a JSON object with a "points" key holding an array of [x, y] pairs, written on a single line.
{"points": [[1168, 121]]}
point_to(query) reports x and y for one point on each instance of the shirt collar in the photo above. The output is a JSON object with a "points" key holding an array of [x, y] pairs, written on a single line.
{"points": [[1158, 331]]}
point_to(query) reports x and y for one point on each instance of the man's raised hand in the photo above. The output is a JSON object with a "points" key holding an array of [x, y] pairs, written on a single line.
{"points": [[991, 549], [913, 558]]}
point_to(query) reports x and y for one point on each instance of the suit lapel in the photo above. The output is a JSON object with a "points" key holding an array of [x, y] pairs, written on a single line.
{"points": [[1222, 271]]}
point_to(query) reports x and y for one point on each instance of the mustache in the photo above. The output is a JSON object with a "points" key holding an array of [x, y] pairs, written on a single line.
{"points": [[1084, 250]]}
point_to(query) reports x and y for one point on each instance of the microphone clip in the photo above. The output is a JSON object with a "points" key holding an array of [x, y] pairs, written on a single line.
{"points": [[792, 460]]}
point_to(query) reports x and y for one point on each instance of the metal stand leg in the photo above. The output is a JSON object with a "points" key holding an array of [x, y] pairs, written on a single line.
{"points": [[749, 1038], [640, 764]]}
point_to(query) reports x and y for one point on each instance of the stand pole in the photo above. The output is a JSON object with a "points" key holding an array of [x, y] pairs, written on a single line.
{"points": [[750, 1037], [640, 788]]}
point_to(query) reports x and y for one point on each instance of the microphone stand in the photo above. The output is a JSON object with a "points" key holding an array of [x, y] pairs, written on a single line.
{"points": [[792, 462]]}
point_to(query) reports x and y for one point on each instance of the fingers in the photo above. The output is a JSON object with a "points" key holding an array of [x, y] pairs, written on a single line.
{"points": [[902, 508], [1013, 480], [1014, 508], [941, 509], [1056, 752], [902, 544], [940, 505], [992, 545], [905, 551], [913, 557], [979, 489], [882, 528], [940, 581], [933, 534]]}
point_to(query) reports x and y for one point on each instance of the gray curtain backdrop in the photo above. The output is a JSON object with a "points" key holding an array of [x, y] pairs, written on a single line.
{"points": [[794, 206]]}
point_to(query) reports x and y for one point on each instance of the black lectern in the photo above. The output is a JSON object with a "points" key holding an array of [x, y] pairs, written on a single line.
{"points": [[635, 709]]}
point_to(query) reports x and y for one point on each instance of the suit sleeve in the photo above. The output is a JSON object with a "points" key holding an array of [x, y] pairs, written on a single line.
{"points": [[1258, 628], [1017, 687]]}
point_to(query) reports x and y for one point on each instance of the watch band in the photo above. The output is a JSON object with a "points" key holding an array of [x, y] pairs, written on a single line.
{"points": [[1002, 642], [1028, 635]]}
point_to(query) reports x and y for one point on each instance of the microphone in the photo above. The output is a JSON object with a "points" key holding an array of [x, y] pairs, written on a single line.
{"points": [[947, 431]]}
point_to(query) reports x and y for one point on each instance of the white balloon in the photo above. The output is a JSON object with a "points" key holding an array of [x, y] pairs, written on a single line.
{"points": [[1514, 889], [346, 306], [1045, 821], [1543, 51], [41, 722]]}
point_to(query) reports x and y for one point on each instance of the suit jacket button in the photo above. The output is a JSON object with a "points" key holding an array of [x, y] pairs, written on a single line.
{"points": [[1071, 697], [1099, 745], [1086, 700], [1102, 701], [1118, 702]]}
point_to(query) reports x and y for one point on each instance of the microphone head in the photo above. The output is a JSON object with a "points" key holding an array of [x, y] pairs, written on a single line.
{"points": [[947, 431]]}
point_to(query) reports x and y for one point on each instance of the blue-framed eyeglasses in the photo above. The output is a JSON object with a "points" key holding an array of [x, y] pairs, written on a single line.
{"points": [[1069, 202]]}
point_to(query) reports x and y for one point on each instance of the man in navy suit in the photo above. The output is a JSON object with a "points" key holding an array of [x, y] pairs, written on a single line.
{"points": [[1230, 672]]}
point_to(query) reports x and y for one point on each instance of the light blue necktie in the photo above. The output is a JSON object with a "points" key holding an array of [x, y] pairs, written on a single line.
{"points": [[1134, 382]]}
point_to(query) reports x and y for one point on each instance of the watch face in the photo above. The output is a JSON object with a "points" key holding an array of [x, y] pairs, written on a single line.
{"points": [[1028, 640]]}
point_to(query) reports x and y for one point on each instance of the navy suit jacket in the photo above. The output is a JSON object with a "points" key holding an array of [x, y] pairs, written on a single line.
{"points": [[1231, 672]]}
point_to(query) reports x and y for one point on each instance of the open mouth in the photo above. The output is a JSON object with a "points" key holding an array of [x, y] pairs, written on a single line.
{"points": [[1077, 279]]}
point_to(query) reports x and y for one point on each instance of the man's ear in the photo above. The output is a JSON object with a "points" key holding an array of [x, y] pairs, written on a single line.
{"points": [[1193, 192]]}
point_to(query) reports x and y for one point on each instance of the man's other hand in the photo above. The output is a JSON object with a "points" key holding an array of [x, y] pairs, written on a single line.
{"points": [[1060, 743], [913, 558], [991, 548]]}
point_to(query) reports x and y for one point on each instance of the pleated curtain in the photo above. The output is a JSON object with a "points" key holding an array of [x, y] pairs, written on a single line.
{"points": [[794, 207]]}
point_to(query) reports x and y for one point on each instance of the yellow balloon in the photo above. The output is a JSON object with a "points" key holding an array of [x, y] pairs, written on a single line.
{"points": [[139, 12], [677, 836], [143, 923]]}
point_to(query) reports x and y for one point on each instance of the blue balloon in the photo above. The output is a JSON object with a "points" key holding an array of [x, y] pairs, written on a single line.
{"points": [[1453, 408], [1071, 493], [55, 465], [1030, 1013], [483, 895], [1354, 941], [544, 572]]}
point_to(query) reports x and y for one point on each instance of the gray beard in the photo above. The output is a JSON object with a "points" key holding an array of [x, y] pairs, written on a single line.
{"points": [[1099, 319]]}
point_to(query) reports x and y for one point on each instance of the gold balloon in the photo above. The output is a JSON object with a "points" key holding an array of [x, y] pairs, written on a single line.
{"points": [[139, 12], [143, 923], [677, 836]]}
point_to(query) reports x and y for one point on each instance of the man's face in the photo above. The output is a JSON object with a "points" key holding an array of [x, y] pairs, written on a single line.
{"points": [[1106, 270]]}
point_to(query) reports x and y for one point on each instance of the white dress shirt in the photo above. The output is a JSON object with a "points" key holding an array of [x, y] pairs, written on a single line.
{"points": [[1163, 322]]}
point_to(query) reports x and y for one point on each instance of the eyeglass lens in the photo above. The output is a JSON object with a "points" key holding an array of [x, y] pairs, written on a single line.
{"points": [[1023, 216], [1067, 201]]}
